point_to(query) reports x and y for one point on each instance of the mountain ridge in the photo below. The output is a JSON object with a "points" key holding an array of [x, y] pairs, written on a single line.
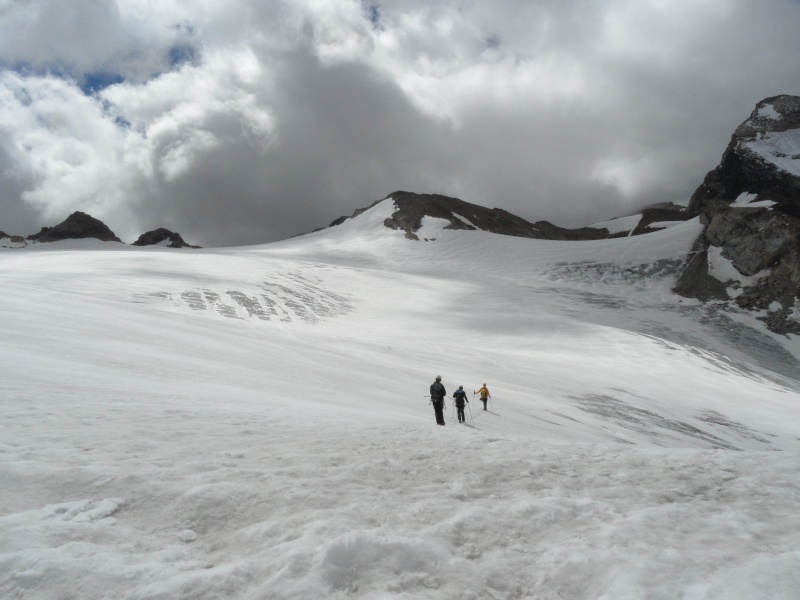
{"points": [[412, 208]]}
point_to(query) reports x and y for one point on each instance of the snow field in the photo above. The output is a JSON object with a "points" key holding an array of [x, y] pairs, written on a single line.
{"points": [[246, 510], [161, 444]]}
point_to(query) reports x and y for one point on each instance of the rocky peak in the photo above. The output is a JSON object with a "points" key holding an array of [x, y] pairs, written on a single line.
{"points": [[775, 114], [411, 208], [762, 158], [157, 236], [77, 226], [750, 206]]}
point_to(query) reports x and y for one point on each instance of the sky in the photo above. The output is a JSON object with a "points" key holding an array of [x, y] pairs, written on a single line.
{"points": [[242, 122]]}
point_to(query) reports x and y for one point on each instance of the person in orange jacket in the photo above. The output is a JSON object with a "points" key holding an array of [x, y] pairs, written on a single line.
{"points": [[485, 395]]}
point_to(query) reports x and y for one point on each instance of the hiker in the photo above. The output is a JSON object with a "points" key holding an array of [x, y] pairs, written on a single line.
{"points": [[437, 399], [460, 397], [485, 395]]}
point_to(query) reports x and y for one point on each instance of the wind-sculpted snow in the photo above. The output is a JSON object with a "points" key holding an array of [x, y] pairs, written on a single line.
{"points": [[657, 426], [715, 418], [290, 297], [638, 275], [765, 357]]}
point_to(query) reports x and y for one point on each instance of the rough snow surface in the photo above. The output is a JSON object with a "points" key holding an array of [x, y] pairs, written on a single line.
{"points": [[254, 423]]}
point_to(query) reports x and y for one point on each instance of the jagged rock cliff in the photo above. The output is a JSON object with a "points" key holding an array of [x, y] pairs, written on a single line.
{"points": [[750, 206]]}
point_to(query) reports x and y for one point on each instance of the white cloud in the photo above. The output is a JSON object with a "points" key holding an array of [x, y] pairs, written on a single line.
{"points": [[64, 143], [297, 112]]}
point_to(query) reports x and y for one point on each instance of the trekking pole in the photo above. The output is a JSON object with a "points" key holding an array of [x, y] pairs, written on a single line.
{"points": [[471, 418]]}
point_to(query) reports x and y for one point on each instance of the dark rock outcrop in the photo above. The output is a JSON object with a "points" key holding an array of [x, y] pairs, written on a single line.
{"points": [[77, 226], [695, 280], [744, 169], [750, 206], [160, 235], [412, 208], [461, 215], [11, 241], [658, 214]]}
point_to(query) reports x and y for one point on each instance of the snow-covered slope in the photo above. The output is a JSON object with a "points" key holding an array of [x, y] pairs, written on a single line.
{"points": [[254, 423]]}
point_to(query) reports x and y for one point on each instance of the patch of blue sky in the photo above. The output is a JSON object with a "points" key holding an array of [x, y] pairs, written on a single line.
{"points": [[89, 83], [28, 70], [122, 122], [373, 14], [182, 54], [93, 83]]}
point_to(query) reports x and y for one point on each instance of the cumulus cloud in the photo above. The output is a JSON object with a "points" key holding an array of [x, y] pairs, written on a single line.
{"points": [[236, 122]]}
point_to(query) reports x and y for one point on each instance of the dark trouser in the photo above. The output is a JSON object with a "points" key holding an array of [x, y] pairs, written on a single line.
{"points": [[460, 410], [484, 402], [438, 407]]}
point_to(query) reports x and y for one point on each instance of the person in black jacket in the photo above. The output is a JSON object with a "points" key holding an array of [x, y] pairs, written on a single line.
{"points": [[460, 397], [437, 399]]}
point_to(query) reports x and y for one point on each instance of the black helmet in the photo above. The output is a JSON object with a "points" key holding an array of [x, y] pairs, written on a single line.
{"points": [[438, 378]]}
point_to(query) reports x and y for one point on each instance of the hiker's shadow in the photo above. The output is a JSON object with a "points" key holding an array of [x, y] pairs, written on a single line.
{"points": [[491, 412]]}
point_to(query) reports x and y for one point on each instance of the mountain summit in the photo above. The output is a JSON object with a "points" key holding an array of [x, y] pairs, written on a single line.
{"points": [[412, 208], [762, 158], [78, 225]]}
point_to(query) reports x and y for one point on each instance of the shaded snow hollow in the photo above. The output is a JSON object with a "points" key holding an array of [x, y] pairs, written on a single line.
{"points": [[252, 423]]}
